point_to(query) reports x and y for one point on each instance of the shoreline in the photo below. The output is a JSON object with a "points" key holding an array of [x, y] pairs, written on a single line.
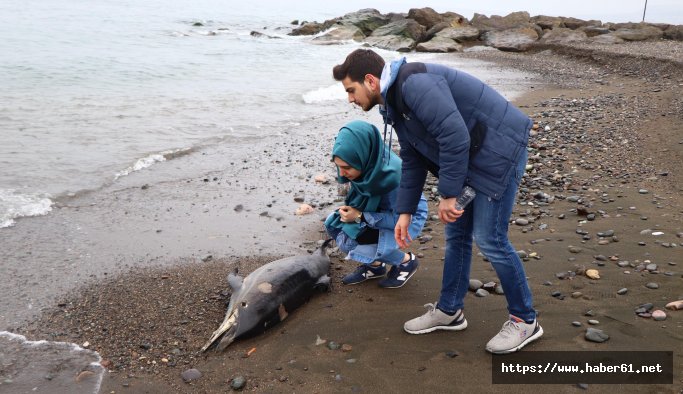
{"points": [[370, 319]]}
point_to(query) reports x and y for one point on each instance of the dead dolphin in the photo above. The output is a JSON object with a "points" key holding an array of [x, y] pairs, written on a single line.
{"points": [[267, 295]]}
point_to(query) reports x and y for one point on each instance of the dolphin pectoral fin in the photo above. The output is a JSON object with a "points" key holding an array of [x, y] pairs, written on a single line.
{"points": [[282, 312], [235, 281], [323, 284]]}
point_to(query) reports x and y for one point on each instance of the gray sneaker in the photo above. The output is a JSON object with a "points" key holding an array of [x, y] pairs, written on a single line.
{"points": [[514, 335], [434, 320]]}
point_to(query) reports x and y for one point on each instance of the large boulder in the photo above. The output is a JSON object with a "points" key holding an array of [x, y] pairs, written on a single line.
{"points": [[575, 23], [426, 16], [674, 32], [367, 20], [547, 22], [339, 34], [406, 28], [515, 40], [496, 22], [563, 35], [606, 39], [459, 34], [640, 32], [392, 43], [451, 19], [592, 31], [308, 29], [439, 44]]}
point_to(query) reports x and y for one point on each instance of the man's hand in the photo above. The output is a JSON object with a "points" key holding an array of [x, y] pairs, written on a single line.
{"points": [[447, 211], [348, 214], [401, 234]]}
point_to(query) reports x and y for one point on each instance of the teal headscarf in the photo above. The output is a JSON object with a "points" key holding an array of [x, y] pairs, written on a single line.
{"points": [[360, 145]]}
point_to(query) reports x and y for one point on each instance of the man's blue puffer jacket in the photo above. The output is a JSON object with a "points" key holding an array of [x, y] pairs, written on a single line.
{"points": [[452, 124]]}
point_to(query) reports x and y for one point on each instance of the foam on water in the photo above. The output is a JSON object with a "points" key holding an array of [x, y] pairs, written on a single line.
{"points": [[47, 366], [14, 205], [331, 93]]}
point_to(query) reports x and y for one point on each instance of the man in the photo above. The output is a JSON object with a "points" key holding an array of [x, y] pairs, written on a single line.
{"points": [[465, 133]]}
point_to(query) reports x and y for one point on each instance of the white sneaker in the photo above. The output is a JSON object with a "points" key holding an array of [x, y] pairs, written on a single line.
{"points": [[434, 320], [514, 335]]}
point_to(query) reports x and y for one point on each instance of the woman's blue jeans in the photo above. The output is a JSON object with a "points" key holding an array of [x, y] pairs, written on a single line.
{"points": [[486, 220]]}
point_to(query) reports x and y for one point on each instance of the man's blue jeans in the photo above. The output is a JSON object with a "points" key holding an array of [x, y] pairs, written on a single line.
{"points": [[486, 220]]}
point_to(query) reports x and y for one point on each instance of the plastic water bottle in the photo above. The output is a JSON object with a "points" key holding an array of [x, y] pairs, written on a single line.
{"points": [[465, 198]]}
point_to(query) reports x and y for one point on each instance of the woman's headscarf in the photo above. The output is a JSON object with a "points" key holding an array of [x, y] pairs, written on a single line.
{"points": [[360, 145]]}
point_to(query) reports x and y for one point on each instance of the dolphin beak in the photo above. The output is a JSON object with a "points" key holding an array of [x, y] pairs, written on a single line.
{"points": [[225, 334]]}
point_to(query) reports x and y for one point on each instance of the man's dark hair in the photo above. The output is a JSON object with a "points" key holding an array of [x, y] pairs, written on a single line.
{"points": [[359, 63]]}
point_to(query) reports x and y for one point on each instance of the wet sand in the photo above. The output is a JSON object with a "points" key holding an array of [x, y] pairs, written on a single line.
{"points": [[613, 149]]}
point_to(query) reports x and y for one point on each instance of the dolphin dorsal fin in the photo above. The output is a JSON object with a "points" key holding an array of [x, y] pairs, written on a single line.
{"points": [[235, 281]]}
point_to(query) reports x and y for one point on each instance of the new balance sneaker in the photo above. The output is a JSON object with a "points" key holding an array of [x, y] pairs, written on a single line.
{"points": [[434, 320], [399, 274], [364, 272], [514, 335]]}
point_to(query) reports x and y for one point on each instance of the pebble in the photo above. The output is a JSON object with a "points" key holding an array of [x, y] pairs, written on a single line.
{"points": [[332, 345], [304, 209], [652, 285], [577, 294], [238, 382], [675, 305], [659, 315], [576, 324], [595, 335], [190, 375], [475, 284], [605, 234], [593, 274], [575, 249], [651, 267], [622, 291], [521, 222], [593, 322], [481, 293]]}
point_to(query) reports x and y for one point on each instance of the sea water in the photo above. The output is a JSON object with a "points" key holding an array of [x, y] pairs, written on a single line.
{"points": [[93, 91]]}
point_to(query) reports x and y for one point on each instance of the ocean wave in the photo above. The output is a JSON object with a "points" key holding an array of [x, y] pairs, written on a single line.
{"points": [[150, 160], [50, 365], [330, 93], [14, 205]]}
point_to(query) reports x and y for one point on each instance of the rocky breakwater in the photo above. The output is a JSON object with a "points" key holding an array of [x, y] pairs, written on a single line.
{"points": [[425, 30]]}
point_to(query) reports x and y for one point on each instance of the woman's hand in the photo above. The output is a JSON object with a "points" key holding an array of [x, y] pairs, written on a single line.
{"points": [[447, 211], [401, 234], [348, 214]]}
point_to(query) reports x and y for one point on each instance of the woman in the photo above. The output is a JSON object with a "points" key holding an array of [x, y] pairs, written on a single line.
{"points": [[364, 226]]}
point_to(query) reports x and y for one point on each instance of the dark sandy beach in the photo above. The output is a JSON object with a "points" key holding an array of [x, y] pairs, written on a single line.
{"points": [[606, 156]]}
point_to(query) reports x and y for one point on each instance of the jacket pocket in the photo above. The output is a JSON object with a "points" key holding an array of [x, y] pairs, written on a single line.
{"points": [[477, 138]]}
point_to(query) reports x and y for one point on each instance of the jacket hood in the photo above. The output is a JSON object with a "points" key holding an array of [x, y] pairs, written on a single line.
{"points": [[389, 74]]}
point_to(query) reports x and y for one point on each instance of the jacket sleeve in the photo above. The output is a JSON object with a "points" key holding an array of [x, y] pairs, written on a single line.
{"points": [[431, 101], [413, 176]]}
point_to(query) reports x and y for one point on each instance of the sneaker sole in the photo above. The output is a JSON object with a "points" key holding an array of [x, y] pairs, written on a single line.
{"points": [[402, 284], [459, 327], [366, 279], [532, 338]]}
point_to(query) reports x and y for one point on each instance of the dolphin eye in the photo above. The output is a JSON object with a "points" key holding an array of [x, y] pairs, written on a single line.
{"points": [[244, 304]]}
